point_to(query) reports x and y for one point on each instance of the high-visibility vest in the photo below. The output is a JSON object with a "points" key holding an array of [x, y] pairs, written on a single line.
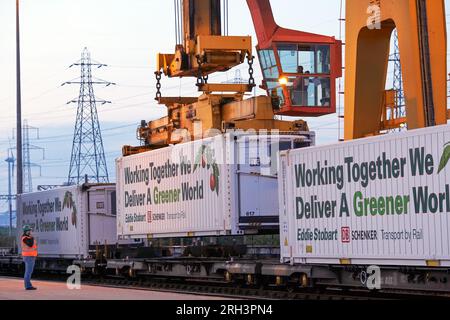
{"points": [[29, 251]]}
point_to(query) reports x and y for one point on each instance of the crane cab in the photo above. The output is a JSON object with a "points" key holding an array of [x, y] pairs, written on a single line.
{"points": [[299, 68], [301, 77]]}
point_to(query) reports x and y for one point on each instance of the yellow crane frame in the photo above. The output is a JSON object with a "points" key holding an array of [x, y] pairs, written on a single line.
{"points": [[421, 26]]}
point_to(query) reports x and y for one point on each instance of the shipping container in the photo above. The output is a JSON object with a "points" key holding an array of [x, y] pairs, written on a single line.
{"points": [[224, 185], [377, 201], [67, 220]]}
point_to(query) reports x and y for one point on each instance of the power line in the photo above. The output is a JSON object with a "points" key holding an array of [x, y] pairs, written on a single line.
{"points": [[129, 67], [34, 82], [43, 139], [42, 115]]}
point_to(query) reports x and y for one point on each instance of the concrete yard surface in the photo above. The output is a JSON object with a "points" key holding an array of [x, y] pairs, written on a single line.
{"points": [[12, 289]]}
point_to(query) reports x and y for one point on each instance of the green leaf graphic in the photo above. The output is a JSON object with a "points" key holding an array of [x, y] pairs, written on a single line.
{"points": [[209, 156], [197, 161], [74, 211], [216, 176], [216, 170], [445, 158], [198, 157], [65, 200]]}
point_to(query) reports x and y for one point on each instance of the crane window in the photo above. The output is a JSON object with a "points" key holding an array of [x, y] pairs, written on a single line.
{"points": [[267, 58], [269, 64], [276, 93], [323, 61], [306, 67], [309, 91], [313, 59], [271, 73], [289, 58]]}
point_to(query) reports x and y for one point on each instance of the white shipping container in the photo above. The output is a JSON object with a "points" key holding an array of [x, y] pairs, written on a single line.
{"points": [[67, 220], [382, 201], [217, 186]]}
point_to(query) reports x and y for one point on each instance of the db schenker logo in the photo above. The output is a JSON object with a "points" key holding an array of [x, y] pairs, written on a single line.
{"points": [[345, 235]]}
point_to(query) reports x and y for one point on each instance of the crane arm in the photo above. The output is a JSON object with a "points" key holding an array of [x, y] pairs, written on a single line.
{"points": [[263, 20], [268, 31]]}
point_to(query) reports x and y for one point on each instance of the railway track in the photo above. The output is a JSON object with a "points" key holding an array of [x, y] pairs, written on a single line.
{"points": [[214, 289], [219, 290], [222, 290], [235, 291]]}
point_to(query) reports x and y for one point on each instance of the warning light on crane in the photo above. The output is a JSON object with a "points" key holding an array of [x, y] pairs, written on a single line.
{"points": [[283, 81]]}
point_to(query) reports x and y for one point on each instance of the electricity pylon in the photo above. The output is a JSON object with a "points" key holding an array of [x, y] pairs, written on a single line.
{"points": [[88, 155]]}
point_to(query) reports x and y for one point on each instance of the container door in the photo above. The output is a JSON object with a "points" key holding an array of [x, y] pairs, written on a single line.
{"points": [[102, 216], [258, 200], [257, 185]]}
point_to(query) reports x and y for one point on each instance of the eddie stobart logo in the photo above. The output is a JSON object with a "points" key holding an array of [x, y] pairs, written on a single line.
{"points": [[205, 159]]}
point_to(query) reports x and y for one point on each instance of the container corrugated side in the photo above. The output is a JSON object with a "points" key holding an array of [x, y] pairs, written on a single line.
{"points": [[173, 191], [370, 216]]}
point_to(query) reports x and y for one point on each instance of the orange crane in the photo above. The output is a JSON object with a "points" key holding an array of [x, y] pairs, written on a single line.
{"points": [[281, 53], [203, 50], [300, 71]]}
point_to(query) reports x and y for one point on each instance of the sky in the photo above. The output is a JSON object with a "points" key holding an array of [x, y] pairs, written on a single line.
{"points": [[125, 35]]}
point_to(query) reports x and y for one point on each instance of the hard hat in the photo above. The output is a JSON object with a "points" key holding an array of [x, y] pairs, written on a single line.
{"points": [[26, 228]]}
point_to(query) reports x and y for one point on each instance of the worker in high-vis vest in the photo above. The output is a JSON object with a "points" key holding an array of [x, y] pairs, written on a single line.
{"points": [[29, 254]]}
